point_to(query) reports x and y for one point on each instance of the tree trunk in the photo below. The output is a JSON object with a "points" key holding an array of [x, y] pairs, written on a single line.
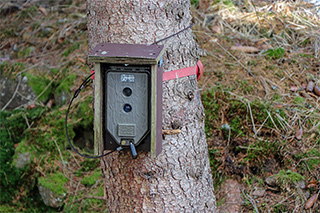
{"points": [[179, 179]]}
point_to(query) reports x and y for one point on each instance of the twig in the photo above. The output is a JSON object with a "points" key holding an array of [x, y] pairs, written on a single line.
{"points": [[309, 170], [14, 94], [262, 124], [75, 194], [251, 200], [245, 147], [60, 157], [25, 117], [45, 89], [88, 197], [249, 72], [287, 198], [273, 122], [29, 68], [171, 131], [251, 116]]}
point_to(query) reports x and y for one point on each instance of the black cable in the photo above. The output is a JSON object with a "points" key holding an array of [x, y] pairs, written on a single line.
{"points": [[76, 93], [156, 42]]}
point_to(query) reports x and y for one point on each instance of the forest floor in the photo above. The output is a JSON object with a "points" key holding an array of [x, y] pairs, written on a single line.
{"points": [[260, 91]]}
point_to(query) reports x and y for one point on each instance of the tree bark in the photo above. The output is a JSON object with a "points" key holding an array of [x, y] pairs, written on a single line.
{"points": [[179, 179]]}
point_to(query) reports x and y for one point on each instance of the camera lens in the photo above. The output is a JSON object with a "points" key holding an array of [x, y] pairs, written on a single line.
{"points": [[127, 108], [127, 91]]}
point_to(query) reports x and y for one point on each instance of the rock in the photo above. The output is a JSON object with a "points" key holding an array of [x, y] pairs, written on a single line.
{"points": [[22, 160], [232, 195], [23, 96], [52, 189], [259, 192], [50, 198], [272, 181], [301, 184], [61, 98]]}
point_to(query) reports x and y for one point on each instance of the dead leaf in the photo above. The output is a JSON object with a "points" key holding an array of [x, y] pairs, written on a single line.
{"points": [[43, 11], [246, 49], [216, 29], [310, 86], [50, 102], [316, 90], [313, 182], [279, 106], [299, 133], [261, 41], [311, 185], [81, 60], [288, 12], [31, 106], [304, 86], [311, 201], [294, 88], [266, 46], [60, 40]]}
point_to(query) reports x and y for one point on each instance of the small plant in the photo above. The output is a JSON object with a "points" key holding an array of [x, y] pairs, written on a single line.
{"points": [[195, 3], [275, 53]]}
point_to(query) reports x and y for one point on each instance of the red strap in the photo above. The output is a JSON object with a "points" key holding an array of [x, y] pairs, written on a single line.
{"points": [[184, 72], [180, 73], [92, 77]]}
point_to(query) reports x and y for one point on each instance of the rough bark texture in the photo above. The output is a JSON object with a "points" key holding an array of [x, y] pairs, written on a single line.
{"points": [[179, 179]]}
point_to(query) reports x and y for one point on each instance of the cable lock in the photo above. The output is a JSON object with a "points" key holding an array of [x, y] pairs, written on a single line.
{"points": [[76, 93]]}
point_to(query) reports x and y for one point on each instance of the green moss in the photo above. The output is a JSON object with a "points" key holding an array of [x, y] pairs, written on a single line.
{"points": [[9, 69], [195, 3], [7, 208], [299, 100], [92, 179], [261, 150], [66, 84], [218, 176], [9, 175], [71, 49], [311, 158], [26, 52], [55, 182], [288, 177], [211, 107], [27, 12], [38, 84]]}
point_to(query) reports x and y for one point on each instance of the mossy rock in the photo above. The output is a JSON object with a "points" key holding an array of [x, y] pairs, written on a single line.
{"points": [[52, 189], [62, 93]]}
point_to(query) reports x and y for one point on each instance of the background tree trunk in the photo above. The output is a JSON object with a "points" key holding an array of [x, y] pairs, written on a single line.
{"points": [[179, 180]]}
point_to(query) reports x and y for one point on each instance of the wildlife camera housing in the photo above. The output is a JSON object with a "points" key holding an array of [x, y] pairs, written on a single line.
{"points": [[127, 97]]}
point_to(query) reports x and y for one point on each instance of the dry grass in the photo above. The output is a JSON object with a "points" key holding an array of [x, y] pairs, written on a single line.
{"points": [[278, 81]]}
